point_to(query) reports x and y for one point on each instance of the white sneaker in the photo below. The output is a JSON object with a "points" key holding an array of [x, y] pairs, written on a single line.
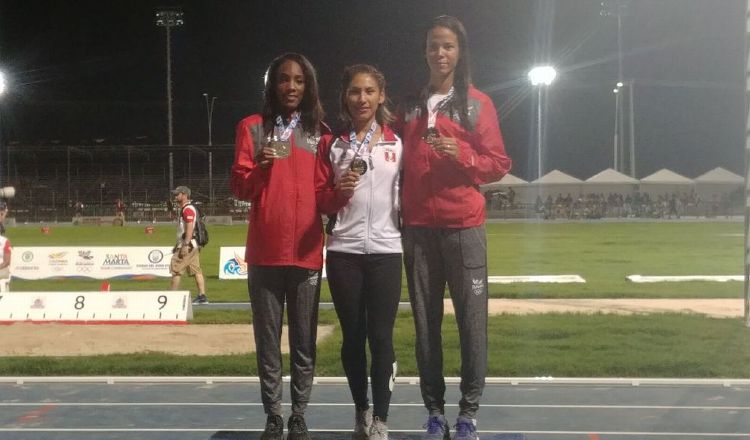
{"points": [[378, 430], [362, 423]]}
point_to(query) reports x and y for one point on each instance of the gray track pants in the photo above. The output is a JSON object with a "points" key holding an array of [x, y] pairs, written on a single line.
{"points": [[434, 256], [270, 287]]}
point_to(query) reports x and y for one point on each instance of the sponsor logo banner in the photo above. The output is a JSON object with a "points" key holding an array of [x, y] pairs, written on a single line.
{"points": [[232, 264], [99, 262]]}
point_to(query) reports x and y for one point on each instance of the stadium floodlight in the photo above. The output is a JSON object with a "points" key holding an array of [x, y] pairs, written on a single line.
{"points": [[542, 75], [3, 83], [169, 18]]}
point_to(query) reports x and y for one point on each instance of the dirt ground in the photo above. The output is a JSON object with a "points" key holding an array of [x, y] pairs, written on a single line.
{"points": [[73, 340]]}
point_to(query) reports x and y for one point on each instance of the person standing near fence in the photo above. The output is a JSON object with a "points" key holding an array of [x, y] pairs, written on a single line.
{"points": [[452, 144], [357, 185], [274, 166]]}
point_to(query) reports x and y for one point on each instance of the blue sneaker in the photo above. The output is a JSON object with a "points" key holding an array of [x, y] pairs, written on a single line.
{"points": [[437, 428], [466, 429]]}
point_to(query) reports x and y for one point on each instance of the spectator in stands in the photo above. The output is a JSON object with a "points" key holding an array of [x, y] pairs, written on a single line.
{"points": [[170, 209], [274, 168], [452, 144], [5, 245], [78, 209], [364, 242], [120, 212], [186, 253]]}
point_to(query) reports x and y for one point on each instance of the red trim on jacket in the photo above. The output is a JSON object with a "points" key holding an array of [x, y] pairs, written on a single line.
{"points": [[285, 228], [329, 200], [439, 191]]}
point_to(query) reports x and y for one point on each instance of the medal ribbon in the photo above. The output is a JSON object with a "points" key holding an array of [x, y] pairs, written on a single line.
{"points": [[286, 131], [440, 106], [360, 149]]}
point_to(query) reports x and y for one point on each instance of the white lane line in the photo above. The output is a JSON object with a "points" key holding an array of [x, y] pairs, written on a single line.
{"points": [[505, 431], [535, 279], [680, 278], [405, 380], [403, 405]]}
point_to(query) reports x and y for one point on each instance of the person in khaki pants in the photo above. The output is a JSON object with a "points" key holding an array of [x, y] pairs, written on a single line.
{"points": [[186, 256]]}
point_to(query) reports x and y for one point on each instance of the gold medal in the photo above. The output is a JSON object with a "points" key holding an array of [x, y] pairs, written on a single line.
{"points": [[281, 149], [359, 166]]}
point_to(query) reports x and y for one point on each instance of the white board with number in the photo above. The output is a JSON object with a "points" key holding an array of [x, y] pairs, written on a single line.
{"points": [[135, 307]]}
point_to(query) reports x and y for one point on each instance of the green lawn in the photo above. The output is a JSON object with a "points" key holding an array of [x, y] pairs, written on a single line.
{"points": [[558, 345], [603, 253], [664, 345]]}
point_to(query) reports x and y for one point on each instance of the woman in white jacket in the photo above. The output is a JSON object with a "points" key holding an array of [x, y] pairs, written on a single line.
{"points": [[357, 185]]}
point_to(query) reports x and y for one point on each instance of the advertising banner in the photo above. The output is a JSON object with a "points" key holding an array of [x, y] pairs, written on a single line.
{"points": [[232, 264], [99, 262]]}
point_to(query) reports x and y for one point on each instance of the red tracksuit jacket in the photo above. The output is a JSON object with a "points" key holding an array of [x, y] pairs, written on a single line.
{"points": [[285, 226], [439, 191]]}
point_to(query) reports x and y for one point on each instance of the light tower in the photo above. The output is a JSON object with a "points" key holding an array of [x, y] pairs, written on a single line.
{"points": [[541, 77], [169, 18], [3, 87], [618, 9], [210, 119]]}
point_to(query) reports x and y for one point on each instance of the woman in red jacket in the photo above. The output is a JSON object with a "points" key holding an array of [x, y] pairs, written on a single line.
{"points": [[274, 166], [357, 185], [452, 144]]}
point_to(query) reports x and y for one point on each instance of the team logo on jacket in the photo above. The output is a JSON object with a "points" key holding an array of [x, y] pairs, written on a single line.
{"points": [[313, 277], [477, 286], [390, 155]]}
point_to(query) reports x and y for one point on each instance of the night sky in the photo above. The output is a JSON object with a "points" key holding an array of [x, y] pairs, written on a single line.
{"points": [[88, 70]]}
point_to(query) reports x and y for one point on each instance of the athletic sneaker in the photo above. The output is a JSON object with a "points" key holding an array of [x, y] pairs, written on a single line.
{"points": [[437, 428], [201, 299], [297, 428], [466, 429], [274, 428], [362, 423], [378, 430]]}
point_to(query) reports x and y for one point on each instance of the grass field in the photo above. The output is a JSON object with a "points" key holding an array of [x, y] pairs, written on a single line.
{"points": [[665, 345], [603, 253]]}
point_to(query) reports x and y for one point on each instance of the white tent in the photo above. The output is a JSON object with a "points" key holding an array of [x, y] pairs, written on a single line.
{"points": [[556, 182], [504, 183], [717, 182], [665, 181], [610, 181], [520, 188]]}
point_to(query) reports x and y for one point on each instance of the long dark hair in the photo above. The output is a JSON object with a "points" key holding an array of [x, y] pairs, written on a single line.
{"points": [[310, 106], [462, 75], [382, 115]]}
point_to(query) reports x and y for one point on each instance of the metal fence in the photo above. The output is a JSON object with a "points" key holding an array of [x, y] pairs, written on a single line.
{"points": [[51, 179]]}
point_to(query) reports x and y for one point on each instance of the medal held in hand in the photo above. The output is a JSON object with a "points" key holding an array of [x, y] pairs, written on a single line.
{"points": [[359, 166], [280, 142], [361, 149], [280, 148], [431, 136]]}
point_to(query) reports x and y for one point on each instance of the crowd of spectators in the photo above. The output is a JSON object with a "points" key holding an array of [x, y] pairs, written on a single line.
{"points": [[617, 205]]}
